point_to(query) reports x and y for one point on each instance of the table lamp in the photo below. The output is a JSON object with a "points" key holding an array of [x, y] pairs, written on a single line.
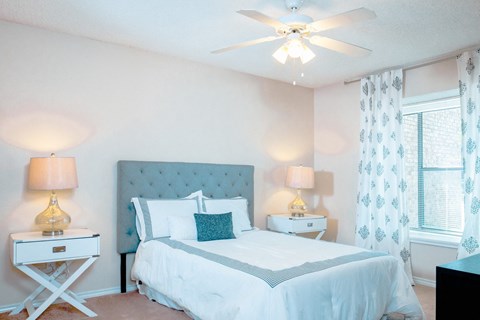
{"points": [[52, 173], [299, 177]]}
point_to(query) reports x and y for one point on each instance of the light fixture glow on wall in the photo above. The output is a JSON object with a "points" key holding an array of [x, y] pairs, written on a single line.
{"points": [[294, 48], [299, 177], [52, 173]]}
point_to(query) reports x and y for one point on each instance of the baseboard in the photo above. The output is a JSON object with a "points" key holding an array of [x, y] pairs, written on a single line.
{"points": [[425, 282], [84, 295], [104, 292]]}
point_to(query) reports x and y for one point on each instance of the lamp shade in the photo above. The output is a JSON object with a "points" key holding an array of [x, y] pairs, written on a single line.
{"points": [[307, 55], [281, 54], [52, 173], [299, 177]]}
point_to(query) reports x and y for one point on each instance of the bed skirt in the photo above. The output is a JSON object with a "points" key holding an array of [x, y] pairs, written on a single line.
{"points": [[158, 297]]}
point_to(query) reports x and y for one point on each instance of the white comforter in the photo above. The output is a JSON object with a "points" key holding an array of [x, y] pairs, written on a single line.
{"points": [[366, 289]]}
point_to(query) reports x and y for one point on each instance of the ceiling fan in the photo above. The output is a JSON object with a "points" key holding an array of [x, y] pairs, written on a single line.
{"points": [[297, 28]]}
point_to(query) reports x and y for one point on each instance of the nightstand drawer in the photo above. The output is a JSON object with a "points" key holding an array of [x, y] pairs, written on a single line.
{"points": [[308, 225], [54, 250], [289, 224]]}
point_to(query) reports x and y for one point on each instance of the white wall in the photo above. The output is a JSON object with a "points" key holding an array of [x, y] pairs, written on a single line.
{"points": [[336, 155], [101, 103], [337, 126]]}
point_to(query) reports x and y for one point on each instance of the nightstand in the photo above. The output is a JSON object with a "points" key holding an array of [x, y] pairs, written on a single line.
{"points": [[30, 248], [455, 282], [286, 223]]}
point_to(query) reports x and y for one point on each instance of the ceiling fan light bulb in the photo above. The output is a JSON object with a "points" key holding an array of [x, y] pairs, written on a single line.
{"points": [[295, 48], [281, 54]]}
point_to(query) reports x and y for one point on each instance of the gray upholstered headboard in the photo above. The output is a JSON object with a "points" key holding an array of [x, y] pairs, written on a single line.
{"points": [[152, 179]]}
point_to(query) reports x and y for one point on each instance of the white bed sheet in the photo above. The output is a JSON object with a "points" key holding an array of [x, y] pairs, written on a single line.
{"points": [[208, 290]]}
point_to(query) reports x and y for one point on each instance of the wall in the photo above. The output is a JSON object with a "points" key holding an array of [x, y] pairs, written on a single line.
{"points": [[336, 155], [101, 103], [337, 126]]}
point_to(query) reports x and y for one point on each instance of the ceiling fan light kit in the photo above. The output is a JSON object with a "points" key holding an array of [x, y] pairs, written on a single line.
{"points": [[294, 48], [296, 28]]}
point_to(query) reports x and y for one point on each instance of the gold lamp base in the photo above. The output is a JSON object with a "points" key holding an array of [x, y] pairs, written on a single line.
{"points": [[53, 220], [297, 207]]}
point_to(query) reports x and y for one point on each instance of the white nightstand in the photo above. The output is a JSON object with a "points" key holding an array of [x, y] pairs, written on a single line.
{"points": [[286, 223], [30, 248]]}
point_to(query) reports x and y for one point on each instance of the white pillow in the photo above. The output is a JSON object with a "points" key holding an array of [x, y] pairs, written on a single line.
{"points": [[182, 227], [238, 206], [138, 216], [152, 214]]}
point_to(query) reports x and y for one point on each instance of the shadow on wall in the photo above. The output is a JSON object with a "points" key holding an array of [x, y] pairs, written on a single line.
{"points": [[330, 142], [324, 186]]}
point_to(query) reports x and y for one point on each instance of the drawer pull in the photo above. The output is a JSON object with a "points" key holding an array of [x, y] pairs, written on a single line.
{"points": [[310, 224], [59, 249]]}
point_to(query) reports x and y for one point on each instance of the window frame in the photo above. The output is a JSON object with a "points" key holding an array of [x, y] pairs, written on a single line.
{"points": [[416, 105]]}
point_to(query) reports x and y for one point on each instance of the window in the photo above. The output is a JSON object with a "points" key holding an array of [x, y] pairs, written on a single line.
{"points": [[433, 166]]}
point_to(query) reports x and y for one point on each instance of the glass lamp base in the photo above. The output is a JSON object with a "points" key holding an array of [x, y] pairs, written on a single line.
{"points": [[297, 207], [298, 214], [53, 220], [51, 233]]}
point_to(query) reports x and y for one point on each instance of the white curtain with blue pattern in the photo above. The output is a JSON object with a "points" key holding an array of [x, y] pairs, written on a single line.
{"points": [[468, 65], [382, 218]]}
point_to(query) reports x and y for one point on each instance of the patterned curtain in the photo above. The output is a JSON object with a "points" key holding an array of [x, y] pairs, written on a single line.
{"points": [[468, 65], [382, 218]]}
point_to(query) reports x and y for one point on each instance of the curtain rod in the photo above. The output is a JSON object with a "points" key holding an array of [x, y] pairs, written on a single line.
{"points": [[418, 64]]}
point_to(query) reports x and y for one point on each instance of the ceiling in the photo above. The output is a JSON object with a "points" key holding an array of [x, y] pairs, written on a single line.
{"points": [[404, 33]]}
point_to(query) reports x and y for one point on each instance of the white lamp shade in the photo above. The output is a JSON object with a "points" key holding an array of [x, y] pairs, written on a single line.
{"points": [[52, 173], [281, 54], [299, 177], [307, 55]]}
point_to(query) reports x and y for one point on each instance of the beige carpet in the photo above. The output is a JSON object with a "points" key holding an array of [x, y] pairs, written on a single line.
{"points": [[129, 305], [426, 295], [132, 305]]}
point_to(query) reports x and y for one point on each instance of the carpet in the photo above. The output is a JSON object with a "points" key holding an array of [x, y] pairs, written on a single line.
{"points": [[129, 305], [132, 305]]}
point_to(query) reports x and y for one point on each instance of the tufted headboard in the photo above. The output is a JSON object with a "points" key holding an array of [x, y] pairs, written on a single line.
{"points": [[152, 179]]}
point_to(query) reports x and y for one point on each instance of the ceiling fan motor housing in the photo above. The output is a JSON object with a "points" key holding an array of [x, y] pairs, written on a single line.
{"points": [[295, 22]]}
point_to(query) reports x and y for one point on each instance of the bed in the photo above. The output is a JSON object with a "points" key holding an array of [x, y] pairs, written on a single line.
{"points": [[244, 273]]}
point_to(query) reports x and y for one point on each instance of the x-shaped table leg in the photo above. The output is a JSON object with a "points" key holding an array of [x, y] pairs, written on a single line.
{"points": [[58, 289]]}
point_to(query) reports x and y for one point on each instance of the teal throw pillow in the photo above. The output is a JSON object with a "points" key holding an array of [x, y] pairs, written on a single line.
{"points": [[214, 226]]}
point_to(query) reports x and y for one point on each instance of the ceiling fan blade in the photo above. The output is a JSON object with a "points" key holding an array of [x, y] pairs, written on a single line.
{"points": [[263, 18], [247, 43], [342, 19], [340, 46]]}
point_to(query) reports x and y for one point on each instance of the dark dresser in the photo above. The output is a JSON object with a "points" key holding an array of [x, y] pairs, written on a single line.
{"points": [[457, 282]]}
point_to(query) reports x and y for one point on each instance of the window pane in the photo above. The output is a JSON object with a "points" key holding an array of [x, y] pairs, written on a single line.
{"points": [[433, 169], [442, 139], [410, 137], [443, 206]]}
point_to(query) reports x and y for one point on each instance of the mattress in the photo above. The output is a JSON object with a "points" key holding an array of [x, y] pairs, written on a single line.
{"points": [[268, 275]]}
